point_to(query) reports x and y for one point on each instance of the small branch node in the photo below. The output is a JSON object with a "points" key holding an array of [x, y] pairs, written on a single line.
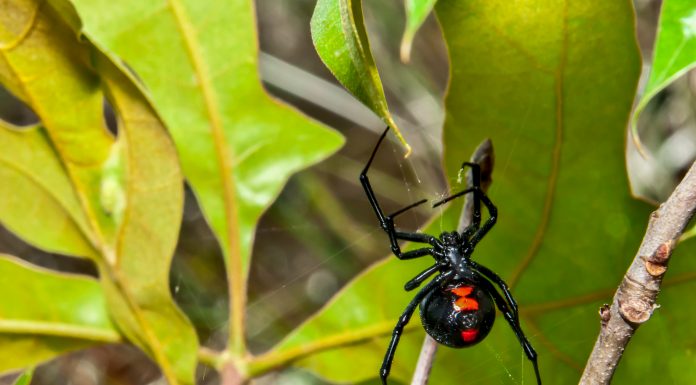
{"points": [[636, 301], [604, 314], [635, 311], [654, 269], [656, 264], [663, 252]]}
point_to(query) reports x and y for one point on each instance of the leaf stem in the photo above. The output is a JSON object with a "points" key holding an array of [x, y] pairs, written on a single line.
{"points": [[273, 360], [210, 357]]}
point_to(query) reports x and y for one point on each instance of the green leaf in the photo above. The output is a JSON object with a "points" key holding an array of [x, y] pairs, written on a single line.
{"points": [[25, 378], [674, 53], [149, 228], [81, 139], [340, 38], [118, 201], [416, 13], [37, 193], [361, 316], [36, 327], [556, 116], [237, 145], [527, 76]]}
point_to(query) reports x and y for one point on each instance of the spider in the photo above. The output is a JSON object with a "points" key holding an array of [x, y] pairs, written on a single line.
{"points": [[457, 306]]}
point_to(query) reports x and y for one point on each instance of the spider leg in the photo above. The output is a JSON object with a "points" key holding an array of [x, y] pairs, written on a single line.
{"points": [[488, 273], [475, 185], [387, 222], [364, 180], [422, 276], [478, 233], [492, 218], [403, 210], [413, 237], [455, 196], [512, 317], [467, 232], [418, 237], [403, 321], [415, 253]]}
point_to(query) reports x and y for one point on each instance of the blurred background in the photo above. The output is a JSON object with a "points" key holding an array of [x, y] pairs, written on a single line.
{"points": [[321, 231]]}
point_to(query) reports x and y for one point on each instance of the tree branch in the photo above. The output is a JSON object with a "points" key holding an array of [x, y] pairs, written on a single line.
{"points": [[634, 300], [483, 155]]}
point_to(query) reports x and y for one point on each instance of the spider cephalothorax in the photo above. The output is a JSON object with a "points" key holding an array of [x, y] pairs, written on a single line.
{"points": [[450, 239], [457, 306]]}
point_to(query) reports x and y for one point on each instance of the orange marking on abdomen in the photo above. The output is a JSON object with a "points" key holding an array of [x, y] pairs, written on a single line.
{"points": [[469, 335], [463, 303]]}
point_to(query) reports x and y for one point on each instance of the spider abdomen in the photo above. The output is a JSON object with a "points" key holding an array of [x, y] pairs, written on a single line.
{"points": [[458, 315]]}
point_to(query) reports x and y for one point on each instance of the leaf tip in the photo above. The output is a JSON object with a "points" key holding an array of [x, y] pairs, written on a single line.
{"points": [[405, 49], [408, 150]]}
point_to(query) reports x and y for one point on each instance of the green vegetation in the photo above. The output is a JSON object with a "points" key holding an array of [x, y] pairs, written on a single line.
{"points": [[551, 83]]}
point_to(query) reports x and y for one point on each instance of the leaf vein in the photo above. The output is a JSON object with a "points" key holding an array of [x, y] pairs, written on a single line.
{"points": [[235, 276], [538, 239]]}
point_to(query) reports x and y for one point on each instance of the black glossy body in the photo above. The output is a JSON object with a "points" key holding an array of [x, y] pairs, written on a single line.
{"points": [[450, 317], [445, 321]]}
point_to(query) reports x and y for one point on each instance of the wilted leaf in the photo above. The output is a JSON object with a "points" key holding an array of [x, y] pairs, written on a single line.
{"points": [[674, 53], [237, 146], [340, 38], [35, 326], [551, 84]]}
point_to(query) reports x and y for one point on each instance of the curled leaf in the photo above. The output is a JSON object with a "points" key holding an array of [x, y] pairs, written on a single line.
{"points": [[674, 54], [416, 13], [340, 38]]}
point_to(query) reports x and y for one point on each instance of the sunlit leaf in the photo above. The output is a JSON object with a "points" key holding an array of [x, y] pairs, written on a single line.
{"points": [[237, 145], [674, 53], [340, 38], [532, 82], [416, 13], [117, 201], [44, 314]]}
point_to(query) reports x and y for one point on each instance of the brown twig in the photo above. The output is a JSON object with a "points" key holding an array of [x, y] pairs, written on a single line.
{"points": [[483, 155], [425, 361], [634, 300]]}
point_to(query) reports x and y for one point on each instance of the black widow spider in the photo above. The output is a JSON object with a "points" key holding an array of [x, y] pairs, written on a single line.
{"points": [[456, 307]]}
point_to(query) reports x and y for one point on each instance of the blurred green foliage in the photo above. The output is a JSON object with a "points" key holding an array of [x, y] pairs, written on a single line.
{"points": [[97, 177], [674, 52]]}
